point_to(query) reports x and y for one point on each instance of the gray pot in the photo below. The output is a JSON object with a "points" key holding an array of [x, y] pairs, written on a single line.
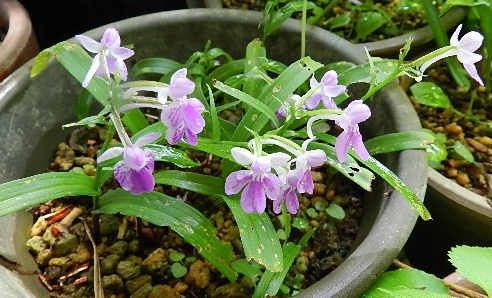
{"points": [[386, 47], [32, 111], [460, 214]]}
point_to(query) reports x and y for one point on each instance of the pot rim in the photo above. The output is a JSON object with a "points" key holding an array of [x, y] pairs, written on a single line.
{"points": [[459, 194], [395, 219]]}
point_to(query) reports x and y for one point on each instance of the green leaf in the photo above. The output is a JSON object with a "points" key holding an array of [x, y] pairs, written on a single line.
{"points": [[199, 183], [161, 66], [448, 4], [364, 73], [251, 270], [437, 152], [273, 95], [172, 155], [369, 22], [411, 281], [335, 211], [178, 270], [274, 19], [227, 70], [76, 60], [88, 121], [135, 120], [463, 152], [218, 148], [258, 236], [186, 221], [393, 142], [255, 57], [430, 94], [475, 264], [214, 116], [85, 101], [249, 100], [27, 192], [41, 61], [271, 282], [393, 180], [339, 21]]}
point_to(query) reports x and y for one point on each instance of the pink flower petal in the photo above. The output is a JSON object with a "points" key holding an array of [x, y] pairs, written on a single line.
{"points": [[472, 71], [359, 146], [122, 53], [96, 62], [147, 139], [111, 38], [342, 145], [110, 154], [292, 202], [89, 44], [357, 111], [471, 41], [236, 181], [253, 198], [271, 184]]}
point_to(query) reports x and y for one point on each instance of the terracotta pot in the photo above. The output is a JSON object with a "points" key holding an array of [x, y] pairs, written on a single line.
{"points": [[32, 111], [386, 47], [19, 45]]}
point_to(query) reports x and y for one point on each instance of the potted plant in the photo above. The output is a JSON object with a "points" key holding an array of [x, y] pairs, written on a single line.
{"points": [[376, 26], [17, 40], [456, 110], [388, 218]]}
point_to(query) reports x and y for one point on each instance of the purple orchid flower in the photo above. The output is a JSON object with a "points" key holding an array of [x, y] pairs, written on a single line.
{"points": [[464, 51], [134, 172], [183, 116], [304, 163], [257, 183], [289, 195], [183, 119], [355, 113], [109, 57], [329, 88], [466, 46], [283, 111]]}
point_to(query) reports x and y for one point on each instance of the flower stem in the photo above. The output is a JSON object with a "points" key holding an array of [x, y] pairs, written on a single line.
{"points": [[118, 125], [441, 39], [303, 29]]}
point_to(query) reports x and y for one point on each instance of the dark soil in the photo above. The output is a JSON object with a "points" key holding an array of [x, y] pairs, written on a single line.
{"points": [[402, 15], [471, 129], [139, 259]]}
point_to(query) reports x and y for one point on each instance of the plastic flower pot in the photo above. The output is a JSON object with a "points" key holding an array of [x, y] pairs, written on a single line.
{"points": [[388, 47], [19, 44], [31, 110]]}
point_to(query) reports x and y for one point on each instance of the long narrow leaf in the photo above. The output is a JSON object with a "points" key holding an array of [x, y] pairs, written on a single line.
{"points": [[398, 141], [260, 241], [189, 223], [161, 66], [249, 100], [284, 85], [27, 192]]}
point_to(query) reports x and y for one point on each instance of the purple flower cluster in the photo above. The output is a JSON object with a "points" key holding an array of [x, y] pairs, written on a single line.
{"points": [[259, 182]]}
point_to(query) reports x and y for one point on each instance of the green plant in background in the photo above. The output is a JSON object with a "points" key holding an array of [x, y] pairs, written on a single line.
{"points": [[473, 263], [267, 155], [431, 94]]}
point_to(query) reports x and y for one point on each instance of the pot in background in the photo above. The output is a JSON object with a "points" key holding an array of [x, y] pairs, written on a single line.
{"points": [[33, 110], [19, 44], [389, 47]]}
